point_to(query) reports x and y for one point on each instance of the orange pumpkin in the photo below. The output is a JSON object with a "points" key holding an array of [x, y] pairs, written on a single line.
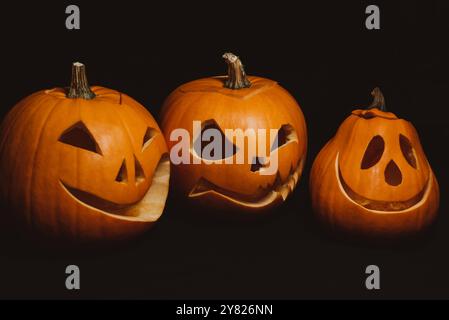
{"points": [[373, 177], [234, 102], [83, 164]]}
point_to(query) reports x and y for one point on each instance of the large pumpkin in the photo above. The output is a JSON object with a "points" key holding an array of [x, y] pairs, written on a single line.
{"points": [[237, 102], [373, 177], [83, 163]]}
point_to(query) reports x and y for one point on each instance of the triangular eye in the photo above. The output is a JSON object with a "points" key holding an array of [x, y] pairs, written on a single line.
{"points": [[373, 152], [122, 175], [203, 146], [79, 136], [149, 135], [285, 134], [407, 150]]}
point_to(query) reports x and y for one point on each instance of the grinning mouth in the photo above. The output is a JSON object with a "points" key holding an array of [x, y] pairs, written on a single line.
{"points": [[97, 202], [268, 195], [149, 208], [378, 205]]}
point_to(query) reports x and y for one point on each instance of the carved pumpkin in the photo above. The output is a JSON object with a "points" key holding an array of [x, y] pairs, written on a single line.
{"points": [[373, 177], [237, 102], [83, 164]]}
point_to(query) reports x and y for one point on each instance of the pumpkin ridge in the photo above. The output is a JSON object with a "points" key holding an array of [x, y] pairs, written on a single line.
{"points": [[182, 112], [255, 89], [350, 136], [296, 113], [102, 94], [131, 142], [29, 115], [360, 115], [33, 163]]}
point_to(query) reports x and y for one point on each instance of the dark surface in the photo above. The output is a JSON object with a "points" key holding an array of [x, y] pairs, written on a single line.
{"points": [[325, 57]]}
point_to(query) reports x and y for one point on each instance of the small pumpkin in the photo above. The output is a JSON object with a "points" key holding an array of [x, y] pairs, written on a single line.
{"points": [[83, 164], [237, 102], [373, 178]]}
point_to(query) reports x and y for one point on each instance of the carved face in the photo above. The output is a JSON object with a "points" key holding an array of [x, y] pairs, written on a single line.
{"points": [[246, 185], [383, 167], [373, 177], [87, 168]]}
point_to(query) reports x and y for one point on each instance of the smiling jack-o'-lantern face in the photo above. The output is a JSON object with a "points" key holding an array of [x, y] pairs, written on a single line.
{"points": [[83, 168], [237, 103], [373, 176]]}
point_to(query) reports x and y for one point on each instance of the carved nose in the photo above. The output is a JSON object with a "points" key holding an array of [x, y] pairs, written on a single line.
{"points": [[122, 175], [140, 174], [259, 163], [393, 175]]}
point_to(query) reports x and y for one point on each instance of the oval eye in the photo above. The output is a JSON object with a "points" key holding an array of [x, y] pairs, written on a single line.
{"points": [[373, 152], [79, 136], [407, 150], [213, 144]]}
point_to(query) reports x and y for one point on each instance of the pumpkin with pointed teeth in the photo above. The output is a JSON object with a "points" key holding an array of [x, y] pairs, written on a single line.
{"points": [[253, 106]]}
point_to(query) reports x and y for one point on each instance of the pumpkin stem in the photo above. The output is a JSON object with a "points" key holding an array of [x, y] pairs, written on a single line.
{"points": [[236, 73], [79, 87], [378, 100]]}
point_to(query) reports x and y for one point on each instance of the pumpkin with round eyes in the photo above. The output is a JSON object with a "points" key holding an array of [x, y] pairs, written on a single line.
{"points": [[231, 105], [83, 164], [373, 177]]}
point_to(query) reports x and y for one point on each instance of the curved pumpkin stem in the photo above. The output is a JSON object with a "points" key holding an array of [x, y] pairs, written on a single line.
{"points": [[379, 100], [236, 73], [79, 87]]}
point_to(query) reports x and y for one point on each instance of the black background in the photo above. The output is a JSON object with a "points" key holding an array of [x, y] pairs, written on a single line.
{"points": [[318, 50]]}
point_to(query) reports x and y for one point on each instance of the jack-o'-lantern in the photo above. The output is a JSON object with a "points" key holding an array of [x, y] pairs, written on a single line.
{"points": [[83, 164], [231, 104], [373, 177]]}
